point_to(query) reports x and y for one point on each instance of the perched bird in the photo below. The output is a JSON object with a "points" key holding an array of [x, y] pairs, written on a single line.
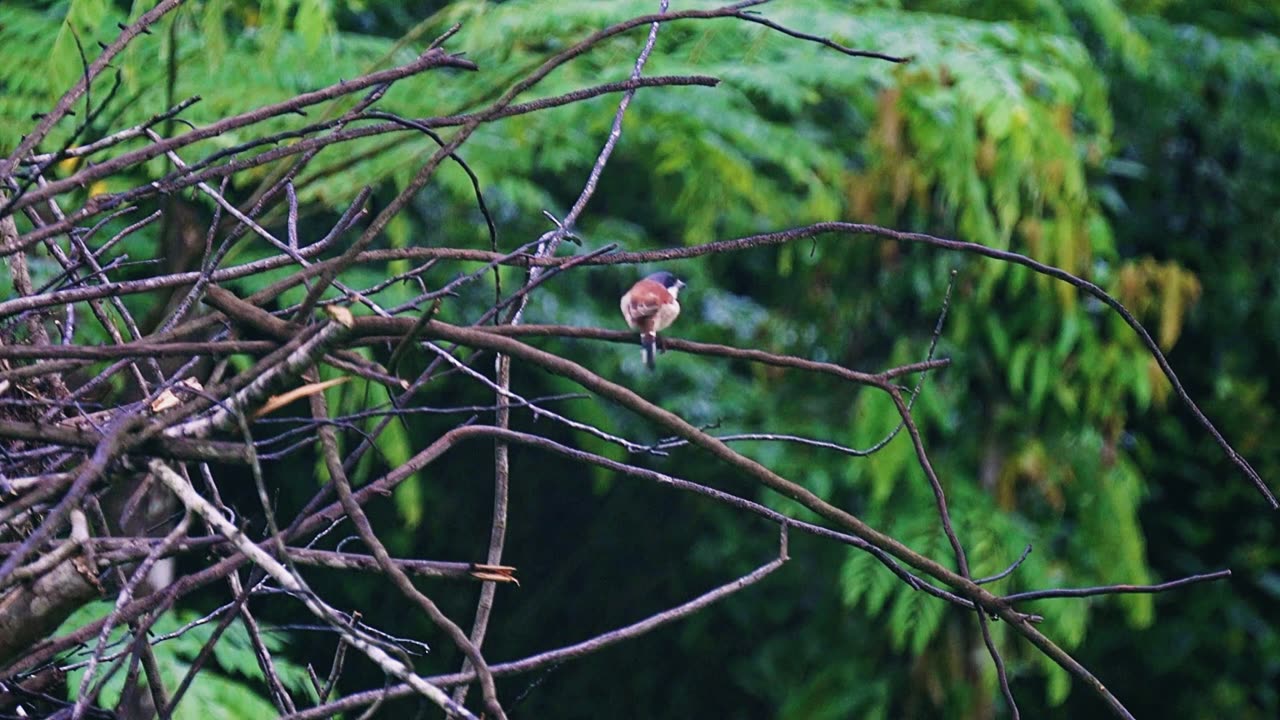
{"points": [[650, 306]]}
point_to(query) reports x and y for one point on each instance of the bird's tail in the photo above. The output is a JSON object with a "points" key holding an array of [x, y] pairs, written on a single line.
{"points": [[648, 341]]}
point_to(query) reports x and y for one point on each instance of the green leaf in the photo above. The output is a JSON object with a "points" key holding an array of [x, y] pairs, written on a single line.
{"points": [[1041, 375], [1067, 335], [999, 336], [314, 22], [210, 695], [1018, 367]]}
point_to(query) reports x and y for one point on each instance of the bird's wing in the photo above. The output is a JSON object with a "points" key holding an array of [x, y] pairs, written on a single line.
{"points": [[645, 299]]}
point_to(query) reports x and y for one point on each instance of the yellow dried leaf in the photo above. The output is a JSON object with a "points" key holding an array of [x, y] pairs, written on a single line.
{"points": [[340, 315], [168, 398], [275, 402]]}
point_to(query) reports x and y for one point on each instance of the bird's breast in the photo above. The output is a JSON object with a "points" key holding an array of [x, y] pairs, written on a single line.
{"points": [[666, 315]]}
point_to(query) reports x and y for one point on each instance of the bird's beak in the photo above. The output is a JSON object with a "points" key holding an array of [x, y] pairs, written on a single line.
{"points": [[679, 284]]}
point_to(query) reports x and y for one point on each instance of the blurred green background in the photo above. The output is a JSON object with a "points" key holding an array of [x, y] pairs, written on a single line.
{"points": [[1132, 142]]}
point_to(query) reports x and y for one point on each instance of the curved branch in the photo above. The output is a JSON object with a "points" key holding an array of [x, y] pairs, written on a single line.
{"points": [[809, 231], [763, 475]]}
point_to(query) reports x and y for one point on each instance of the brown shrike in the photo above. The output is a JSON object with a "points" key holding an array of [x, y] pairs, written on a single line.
{"points": [[650, 306]]}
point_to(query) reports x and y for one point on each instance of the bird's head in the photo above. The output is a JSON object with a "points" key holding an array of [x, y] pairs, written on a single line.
{"points": [[668, 281]]}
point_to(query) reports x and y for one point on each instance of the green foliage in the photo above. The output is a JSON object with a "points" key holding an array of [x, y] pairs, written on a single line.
{"points": [[1101, 136], [220, 49], [1201, 155], [231, 694]]}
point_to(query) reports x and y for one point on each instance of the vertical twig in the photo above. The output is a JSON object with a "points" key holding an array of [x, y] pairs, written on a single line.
{"points": [[546, 248]]}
